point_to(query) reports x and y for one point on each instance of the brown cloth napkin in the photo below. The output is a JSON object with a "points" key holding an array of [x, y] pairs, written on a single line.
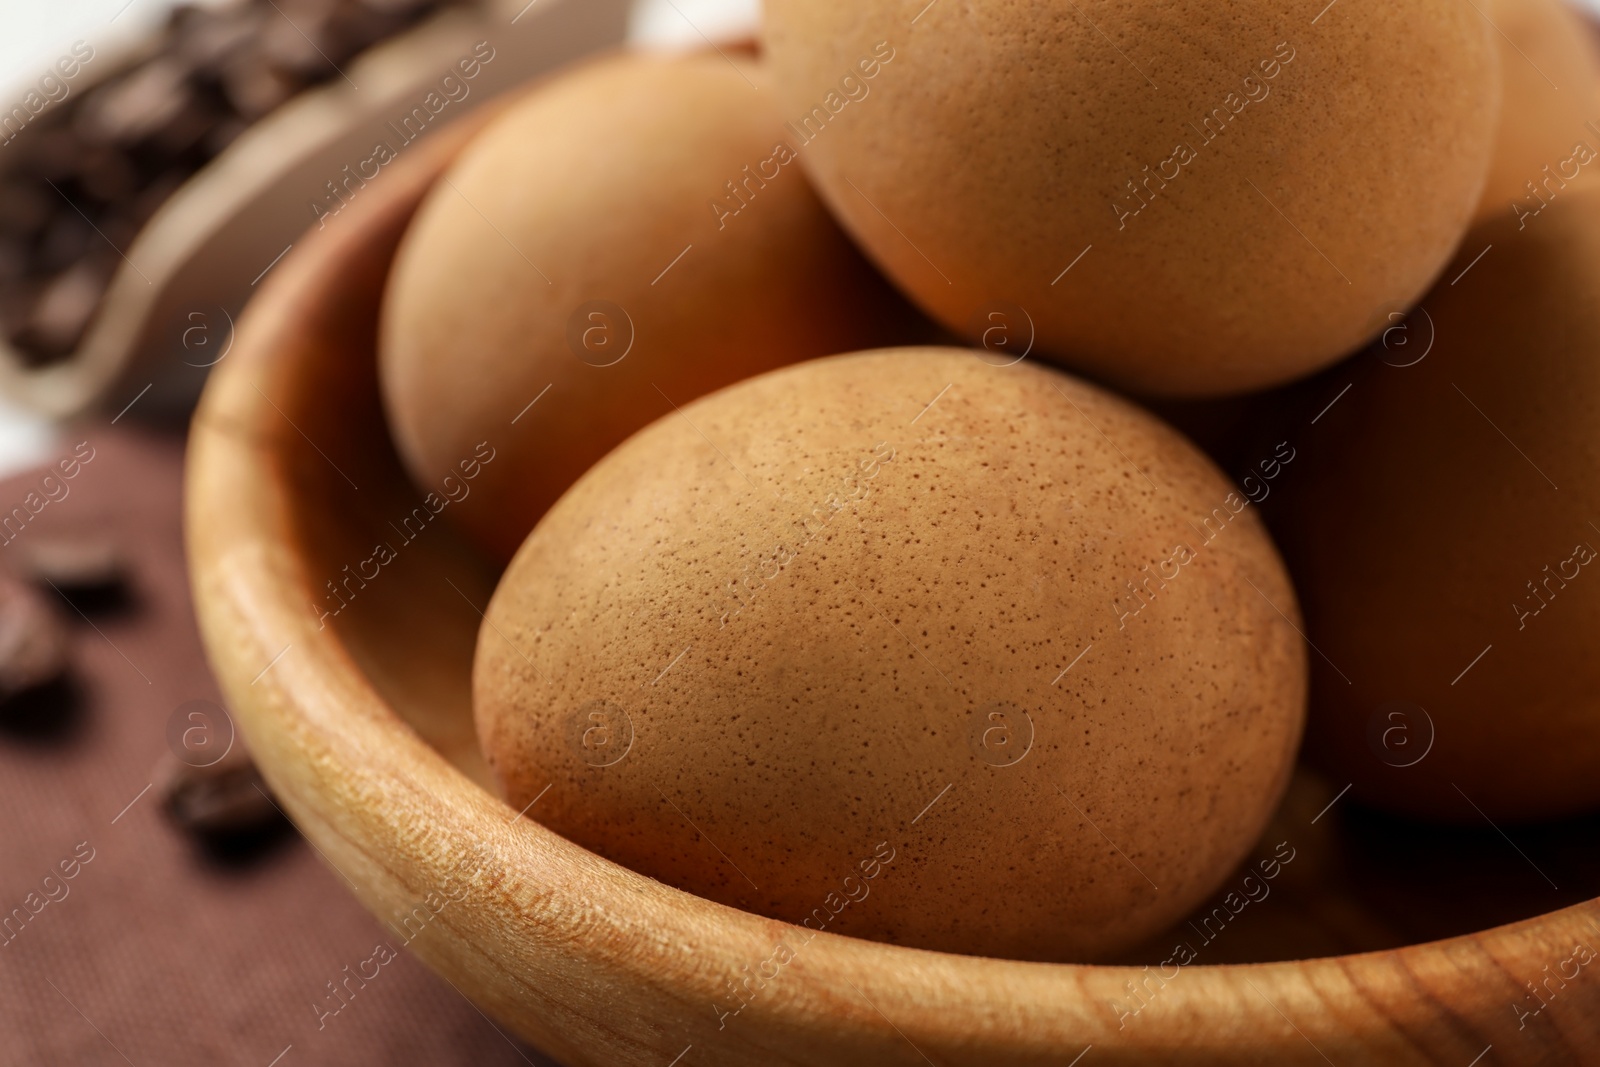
{"points": [[134, 943]]}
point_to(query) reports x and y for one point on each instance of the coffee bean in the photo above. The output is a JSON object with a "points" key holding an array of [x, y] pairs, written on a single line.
{"points": [[187, 126], [221, 798], [298, 47], [65, 307], [71, 564], [211, 39], [135, 106], [63, 244], [107, 175], [254, 87], [33, 640]]}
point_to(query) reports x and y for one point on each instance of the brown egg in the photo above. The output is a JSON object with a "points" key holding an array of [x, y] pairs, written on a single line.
{"points": [[1548, 140], [907, 646], [1441, 527], [1186, 201], [631, 235]]}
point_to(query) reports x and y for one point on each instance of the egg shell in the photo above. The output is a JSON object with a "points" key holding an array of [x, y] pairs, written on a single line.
{"points": [[1550, 107], [867, 630], [1184, 199], [629, 236], [1438, 529]]}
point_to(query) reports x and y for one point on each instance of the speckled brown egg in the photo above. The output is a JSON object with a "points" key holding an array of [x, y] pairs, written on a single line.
{"points": [[1546, 142], [1182, 199], [908, 646], [1442, 527], [629, 236]]}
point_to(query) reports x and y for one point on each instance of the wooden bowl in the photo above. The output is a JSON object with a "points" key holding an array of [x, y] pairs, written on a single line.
{"points": [[361, 722]]}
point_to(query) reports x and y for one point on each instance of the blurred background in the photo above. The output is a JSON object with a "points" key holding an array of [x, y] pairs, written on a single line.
{"points": [[55, 269], [158, 158]]}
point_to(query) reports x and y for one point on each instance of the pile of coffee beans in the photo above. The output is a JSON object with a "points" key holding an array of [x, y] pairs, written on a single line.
{"points": [[82, 174]]}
